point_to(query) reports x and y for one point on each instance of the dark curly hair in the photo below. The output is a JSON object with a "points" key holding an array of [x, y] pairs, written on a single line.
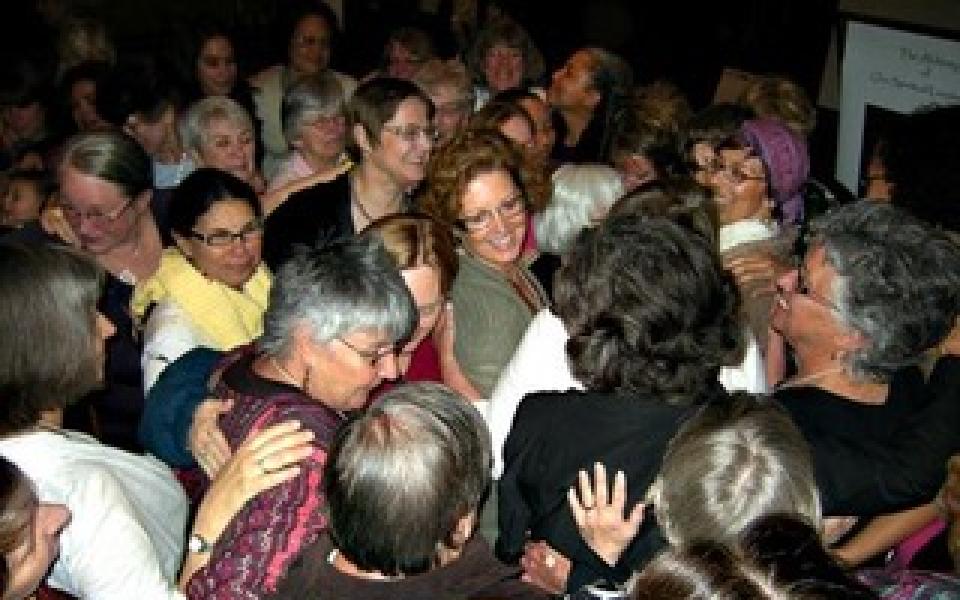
{"points": [[472, 153], [649, 310]]}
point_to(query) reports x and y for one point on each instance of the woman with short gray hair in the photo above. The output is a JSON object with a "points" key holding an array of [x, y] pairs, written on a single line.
{"points": [[582, 194], [314, 125], [876, 290], [336, 316], [218, 132], [404, 484]]}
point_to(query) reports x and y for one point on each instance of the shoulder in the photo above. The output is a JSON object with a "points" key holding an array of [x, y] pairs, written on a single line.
{"points": [[271, 76]]}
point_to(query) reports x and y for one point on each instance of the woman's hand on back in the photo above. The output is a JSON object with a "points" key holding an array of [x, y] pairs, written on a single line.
{"points": [[599, 513], [205, 439]]}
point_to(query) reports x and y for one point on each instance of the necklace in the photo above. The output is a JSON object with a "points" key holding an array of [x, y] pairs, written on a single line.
{"points": [[285, 373], [808, 379]]}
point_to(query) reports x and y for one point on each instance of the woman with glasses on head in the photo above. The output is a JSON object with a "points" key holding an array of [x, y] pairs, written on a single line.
{"points": [[390, 135], [335, 320], [480, 184], [211, 288]]}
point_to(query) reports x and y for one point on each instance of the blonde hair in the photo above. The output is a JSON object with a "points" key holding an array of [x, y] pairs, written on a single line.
{"points": [[781, 99], [731, 464]]}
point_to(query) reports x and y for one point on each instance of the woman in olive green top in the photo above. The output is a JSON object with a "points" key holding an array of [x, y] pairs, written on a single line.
{"points": [[481, 184]]}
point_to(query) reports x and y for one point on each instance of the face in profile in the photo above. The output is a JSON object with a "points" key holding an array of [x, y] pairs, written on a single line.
{"points": [[406, 141], [38, 546], [424, 285], [572, 84]]}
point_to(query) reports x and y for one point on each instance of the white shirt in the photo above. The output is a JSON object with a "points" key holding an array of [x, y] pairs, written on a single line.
{"points": [[168, 334], [540, 364], [128, 515]]}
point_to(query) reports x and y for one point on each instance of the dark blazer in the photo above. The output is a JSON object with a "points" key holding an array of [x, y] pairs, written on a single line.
{"points": [[320, 212], [556, 434]]}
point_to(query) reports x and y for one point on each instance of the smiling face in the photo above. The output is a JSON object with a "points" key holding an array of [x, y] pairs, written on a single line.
{"points": [[216, 66], [503, 67], [804, 311], [495, 222], [235, 262], [740, 187], [321, 141], [310, 45], [405, 144], [228, 146]]}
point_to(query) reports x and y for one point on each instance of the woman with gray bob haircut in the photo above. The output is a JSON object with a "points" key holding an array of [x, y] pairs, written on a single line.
{"points": [[403, 483], [314, 125], [334, 321], [582, 194]]}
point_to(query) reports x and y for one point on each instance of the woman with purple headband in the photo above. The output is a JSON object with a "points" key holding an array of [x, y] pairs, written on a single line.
{"points": [[756, 184]]}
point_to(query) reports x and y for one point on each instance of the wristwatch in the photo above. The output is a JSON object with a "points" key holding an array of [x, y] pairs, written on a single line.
{"points": [[198, 545]]}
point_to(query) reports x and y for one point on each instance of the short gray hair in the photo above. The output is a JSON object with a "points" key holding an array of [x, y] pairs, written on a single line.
{"points": [[579, 191], [400, 477], [199, 115], [320, 95], [345, 286], [896, 283], [733, 462], [110, 156]]}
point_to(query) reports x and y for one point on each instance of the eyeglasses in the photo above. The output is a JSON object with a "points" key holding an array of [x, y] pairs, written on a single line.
{"points": [[310, 40], [738, 174], [371, 357], [412, 133], [94, 217], [804, 290], [484, 219], [222, 238]]}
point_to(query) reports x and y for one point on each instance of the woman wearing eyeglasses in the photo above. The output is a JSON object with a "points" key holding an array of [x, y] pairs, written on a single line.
{"points": [[109, 207], [311, 33], [390, 137], [211, 288], [335, 320], [480, 184]]}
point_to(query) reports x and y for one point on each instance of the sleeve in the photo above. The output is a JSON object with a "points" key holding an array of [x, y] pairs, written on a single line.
{"points": [[168, 335], [513, 513], [265, 537], [538, 365], [488, 329], [105, 550], [170, 404], [750, 375]]}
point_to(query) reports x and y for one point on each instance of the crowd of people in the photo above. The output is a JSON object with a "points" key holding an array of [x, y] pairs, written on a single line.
{"points": [[465, 326]]}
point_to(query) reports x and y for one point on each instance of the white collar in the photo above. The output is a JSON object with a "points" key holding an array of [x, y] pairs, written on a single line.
{"points": [[745, 231]]}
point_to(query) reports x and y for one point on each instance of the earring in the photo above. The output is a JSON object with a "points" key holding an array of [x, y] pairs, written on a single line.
{"points": [[306, 379]]}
